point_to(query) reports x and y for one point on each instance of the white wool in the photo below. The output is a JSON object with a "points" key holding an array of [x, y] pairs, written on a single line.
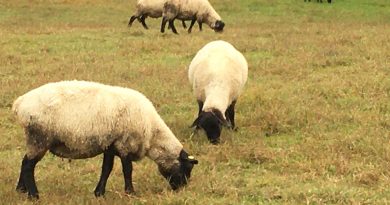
{"points": [[152, 8], [218, 73], [187, 9], [88, 117]]}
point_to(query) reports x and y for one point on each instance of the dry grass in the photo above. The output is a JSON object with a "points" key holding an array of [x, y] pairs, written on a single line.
{"points": [[314, 117]]}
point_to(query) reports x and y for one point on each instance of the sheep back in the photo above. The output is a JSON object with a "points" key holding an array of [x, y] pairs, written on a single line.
{"points": [[187, 9], [78, 119], [152, 8], [218, 73]]}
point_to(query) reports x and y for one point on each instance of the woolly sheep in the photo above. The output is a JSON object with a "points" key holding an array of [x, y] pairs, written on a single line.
{"points": [[79, 119], [149, 8], [194, 10], [218, 73]]}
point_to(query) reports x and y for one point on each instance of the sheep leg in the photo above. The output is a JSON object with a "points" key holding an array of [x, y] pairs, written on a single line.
{"points": [[27, 180], [163, 23], [191, 25], [21, 186], [142, 19], [132, 20], [195, 123], [172, 25], [200, 25], [127, 169], [230, 114], [184, 24], [200, 106], [108, 163]]}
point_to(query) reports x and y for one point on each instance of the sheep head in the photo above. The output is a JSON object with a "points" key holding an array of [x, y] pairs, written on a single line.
{"points": [[218, 26], [179, 174], [211, 122]]}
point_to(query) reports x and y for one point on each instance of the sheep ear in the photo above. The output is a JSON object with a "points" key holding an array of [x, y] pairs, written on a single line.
{"points": [[220, 117], [192, 160], [195, 124], [189, 158]]}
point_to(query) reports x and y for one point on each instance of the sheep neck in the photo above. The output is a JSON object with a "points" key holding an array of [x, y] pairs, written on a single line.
{"points": [[217, 97], [164, 147]]}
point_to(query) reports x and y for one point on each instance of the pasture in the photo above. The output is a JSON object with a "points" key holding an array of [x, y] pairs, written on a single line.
{"points": [[314, 116]]}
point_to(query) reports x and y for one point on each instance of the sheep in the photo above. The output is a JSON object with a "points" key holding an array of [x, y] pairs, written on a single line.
{"points": [[320, 1], [194, 10], [150, 8], [80, 119], [218, 73]]}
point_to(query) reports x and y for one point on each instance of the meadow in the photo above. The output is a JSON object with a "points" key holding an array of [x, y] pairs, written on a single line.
{"points": [[314, 116]]}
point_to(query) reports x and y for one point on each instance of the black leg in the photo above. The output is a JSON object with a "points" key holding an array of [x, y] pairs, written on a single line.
{"points": [[132, 20], [27, 180], [200, 25], [172, 25], [163, 23], [230, 114], [200, 106], [142, 19], [21, 186], [127, 169], [108, 163], [191, 25], [184, 24]]}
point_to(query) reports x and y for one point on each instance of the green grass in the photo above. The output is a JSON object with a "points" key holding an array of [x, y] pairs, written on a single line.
{"points": [[314, 117]]}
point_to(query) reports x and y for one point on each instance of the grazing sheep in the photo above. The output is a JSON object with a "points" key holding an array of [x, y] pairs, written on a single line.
{"points": [[194, 10], [149, 8], [217, 73], [329, 1], [79, 119]]}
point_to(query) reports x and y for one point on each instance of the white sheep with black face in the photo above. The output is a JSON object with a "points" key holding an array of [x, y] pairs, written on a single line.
{"points": [[218, 73], [79, 119], [194, 10], [149, 8]]}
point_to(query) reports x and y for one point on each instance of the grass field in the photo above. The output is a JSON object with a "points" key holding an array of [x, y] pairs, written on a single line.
{"points": [[314, 117]]}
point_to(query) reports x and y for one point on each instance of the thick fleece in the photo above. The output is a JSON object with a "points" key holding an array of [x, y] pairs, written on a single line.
{"points": [[218, 74], [87, 117], [195, 10]]}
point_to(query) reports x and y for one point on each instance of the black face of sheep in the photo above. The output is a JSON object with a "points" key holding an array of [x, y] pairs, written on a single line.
{"points": [[218, 27], [211, 123], [178, 176]]}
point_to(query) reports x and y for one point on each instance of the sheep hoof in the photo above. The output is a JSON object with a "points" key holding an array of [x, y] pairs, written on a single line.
{"points": [[214, 141], [130, 192], [99, 193], [21, 189], [33, 196]]}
